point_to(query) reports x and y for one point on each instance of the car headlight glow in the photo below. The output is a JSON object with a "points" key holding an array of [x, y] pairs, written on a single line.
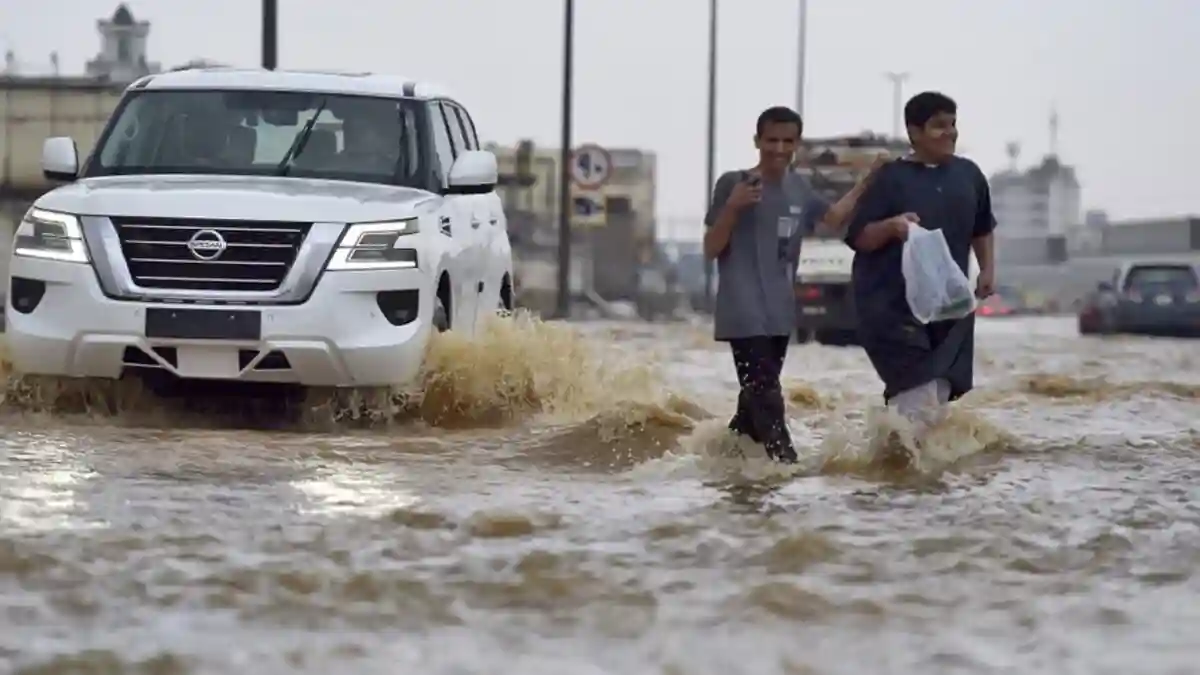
{"points": [[50, 235], [376, 246]]}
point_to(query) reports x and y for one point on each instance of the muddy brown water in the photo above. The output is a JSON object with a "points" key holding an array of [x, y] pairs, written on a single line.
{"points": [[563, 500]]}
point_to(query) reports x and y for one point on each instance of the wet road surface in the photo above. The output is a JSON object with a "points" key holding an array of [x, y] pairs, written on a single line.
{"points": [[569, 504]]}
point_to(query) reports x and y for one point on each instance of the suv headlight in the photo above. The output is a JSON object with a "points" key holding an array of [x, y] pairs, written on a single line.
{"points": [[376, 246], [50, 236]]}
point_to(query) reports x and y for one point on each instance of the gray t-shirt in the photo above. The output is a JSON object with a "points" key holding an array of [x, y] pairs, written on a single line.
{"points": [[756, 272]]}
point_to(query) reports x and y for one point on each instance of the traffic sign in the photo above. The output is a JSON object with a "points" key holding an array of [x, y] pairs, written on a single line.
{"points": [[591, 166], [588, 209]]}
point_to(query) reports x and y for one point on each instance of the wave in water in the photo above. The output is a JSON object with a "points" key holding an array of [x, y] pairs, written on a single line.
{"points": [[571, 399]]}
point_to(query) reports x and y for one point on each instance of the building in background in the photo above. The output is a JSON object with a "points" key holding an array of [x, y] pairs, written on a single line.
{"points": [[123, 42], [1046, 243], [629, 187], [1038, 209], [1095, 219], [38, 101], [614, 230], [1044, 200]]}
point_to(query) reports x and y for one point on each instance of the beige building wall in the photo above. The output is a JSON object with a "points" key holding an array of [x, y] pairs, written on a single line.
{"points": [[633, 177], [32, 110]]}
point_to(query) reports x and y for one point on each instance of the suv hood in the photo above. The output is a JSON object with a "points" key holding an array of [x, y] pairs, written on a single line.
{"points": [[236, 197]]}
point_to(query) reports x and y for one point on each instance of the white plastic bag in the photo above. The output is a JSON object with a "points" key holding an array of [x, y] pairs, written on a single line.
{"points": [[934, 285]]}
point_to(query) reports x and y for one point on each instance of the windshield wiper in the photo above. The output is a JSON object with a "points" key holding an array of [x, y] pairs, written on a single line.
{"points": [[300, 141]]}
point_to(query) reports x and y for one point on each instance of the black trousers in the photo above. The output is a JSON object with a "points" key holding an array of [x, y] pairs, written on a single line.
{"points": [[760, 411]]}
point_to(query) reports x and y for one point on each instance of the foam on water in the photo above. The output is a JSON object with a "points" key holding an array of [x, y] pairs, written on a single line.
{"points": [[603, 399]]}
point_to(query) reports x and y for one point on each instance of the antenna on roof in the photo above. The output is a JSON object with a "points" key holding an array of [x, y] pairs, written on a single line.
{"points": [[1013, 150], [1053, 132]]}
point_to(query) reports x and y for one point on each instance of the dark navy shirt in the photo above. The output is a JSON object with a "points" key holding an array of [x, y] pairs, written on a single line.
{"points": [[953, 197]]}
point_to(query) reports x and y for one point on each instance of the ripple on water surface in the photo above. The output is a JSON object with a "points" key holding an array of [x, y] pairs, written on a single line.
{"points": [[565, 499]]}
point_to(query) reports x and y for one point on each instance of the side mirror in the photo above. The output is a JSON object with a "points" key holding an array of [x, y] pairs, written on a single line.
{"points": [[60, 159], [474, 172]]}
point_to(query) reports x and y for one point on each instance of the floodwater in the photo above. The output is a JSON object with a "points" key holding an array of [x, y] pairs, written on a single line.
{"points": [[563, 499]]}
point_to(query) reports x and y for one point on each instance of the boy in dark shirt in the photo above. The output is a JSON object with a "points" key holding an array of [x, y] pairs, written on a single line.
{"points": [[923, 366]]}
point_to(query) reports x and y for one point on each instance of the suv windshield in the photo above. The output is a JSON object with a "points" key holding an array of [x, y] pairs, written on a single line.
{"points": [[1162, 278], [355, 138]]}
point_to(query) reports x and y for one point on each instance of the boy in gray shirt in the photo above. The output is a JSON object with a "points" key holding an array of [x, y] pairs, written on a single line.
{"points": [[755, 225]]}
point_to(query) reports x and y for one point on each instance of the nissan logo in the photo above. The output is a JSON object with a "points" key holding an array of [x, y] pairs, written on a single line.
{"points": [[207, 245]]}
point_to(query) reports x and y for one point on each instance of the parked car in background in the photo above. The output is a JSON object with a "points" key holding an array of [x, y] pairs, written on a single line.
{"points": [[1012, 301], [1147, 298], [998, 305], [689, 277], [1094, 317]]}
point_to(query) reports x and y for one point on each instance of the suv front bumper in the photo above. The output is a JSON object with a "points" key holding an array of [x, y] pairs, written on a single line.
{"points": [[339, 337]]}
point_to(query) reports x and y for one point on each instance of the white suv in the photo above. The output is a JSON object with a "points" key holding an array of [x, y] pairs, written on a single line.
{"points": [[261, 226]]}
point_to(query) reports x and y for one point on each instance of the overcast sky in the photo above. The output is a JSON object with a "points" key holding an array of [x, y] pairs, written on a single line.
{"points": [[1122, 74]]}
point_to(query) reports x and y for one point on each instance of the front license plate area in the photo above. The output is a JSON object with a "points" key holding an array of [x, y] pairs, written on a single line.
{"points": [[203, 324]]}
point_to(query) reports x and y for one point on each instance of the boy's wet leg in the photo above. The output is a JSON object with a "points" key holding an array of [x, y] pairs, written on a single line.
{"points": [[759, 363], [778, 441]]}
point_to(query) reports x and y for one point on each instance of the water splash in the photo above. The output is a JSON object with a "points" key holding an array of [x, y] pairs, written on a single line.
{"points": [[515, 370]]}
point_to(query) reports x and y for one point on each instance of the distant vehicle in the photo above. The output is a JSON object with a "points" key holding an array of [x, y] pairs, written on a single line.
{"points": [[1146, 298], [1007, 301], [997, 305], [227, 228], [690, 279], [824, 300], [824, 296]]}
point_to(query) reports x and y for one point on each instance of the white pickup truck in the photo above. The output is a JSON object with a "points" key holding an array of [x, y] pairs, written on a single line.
{"points": [[824, 302]]}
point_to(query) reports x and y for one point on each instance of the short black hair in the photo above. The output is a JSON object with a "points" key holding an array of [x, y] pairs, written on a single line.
{"points": [[779, 114], [925, 105]]}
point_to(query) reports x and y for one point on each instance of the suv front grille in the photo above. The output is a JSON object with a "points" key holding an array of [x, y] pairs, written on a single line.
{"points": [[188, 254]]}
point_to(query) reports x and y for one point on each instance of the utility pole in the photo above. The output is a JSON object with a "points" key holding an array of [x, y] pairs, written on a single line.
{"points": [[898, 80], [564, 165], [711, 166], [801, 54], [270, 34]]}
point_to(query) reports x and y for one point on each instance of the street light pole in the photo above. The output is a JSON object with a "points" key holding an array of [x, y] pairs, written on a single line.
{"points": [[711, 166], [898, 80], [802, 52], [270, 34], [564, 165]]}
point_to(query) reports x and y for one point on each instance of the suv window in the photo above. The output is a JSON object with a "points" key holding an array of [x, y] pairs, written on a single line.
{"points": [[456, 131], [1177, 278], [468, 127], [441, 140], [356, 138]]}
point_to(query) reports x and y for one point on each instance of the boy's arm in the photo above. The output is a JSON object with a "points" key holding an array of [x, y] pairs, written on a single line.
{"points": [[983, 239], [719, 221], [873, 223]]}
